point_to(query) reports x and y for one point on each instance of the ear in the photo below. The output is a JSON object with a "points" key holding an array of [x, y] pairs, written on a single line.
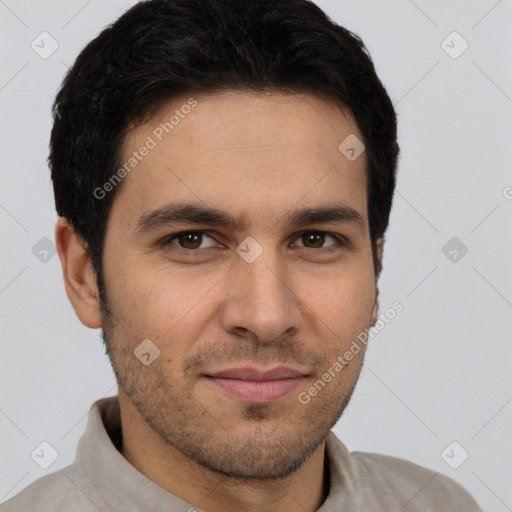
{"points": [[79, 278], [378, 267], [375, 311]]}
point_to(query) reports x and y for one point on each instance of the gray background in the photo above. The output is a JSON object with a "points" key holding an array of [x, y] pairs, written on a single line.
{"points": [[438, 373]]}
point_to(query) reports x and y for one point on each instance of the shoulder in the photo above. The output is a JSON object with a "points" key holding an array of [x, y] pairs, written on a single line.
{"points": [[66, 489], [391, 483], [417, 486]]}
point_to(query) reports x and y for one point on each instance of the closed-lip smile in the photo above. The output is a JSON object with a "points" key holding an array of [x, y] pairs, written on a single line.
{"points": [[257, 385]]}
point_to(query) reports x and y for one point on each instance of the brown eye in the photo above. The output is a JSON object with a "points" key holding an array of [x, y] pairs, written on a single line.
{"points": [[191, 240], [316, 239], [313, 239]]}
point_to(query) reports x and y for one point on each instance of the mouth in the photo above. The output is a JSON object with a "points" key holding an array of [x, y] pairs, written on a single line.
{"points": [[257, 385]]}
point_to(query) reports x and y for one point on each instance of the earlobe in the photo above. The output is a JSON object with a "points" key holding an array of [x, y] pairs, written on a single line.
{"points": [[375, 311], [78, 274]]}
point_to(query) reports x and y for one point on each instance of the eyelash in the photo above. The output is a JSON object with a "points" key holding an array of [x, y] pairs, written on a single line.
{"points": [[341, 242]]}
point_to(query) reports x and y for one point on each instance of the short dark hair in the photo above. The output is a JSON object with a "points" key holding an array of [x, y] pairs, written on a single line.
{"points": [[160, 49]]}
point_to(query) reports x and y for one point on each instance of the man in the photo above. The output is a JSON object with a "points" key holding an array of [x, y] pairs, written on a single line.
{"points": [[224, 172]]}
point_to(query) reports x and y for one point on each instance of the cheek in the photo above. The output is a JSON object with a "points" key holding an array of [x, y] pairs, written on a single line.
{"points": [[345, 304], [159, 304]]}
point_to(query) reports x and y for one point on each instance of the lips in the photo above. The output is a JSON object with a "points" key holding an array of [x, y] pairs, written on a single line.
{"points": [[247, 373], [257, 385]]}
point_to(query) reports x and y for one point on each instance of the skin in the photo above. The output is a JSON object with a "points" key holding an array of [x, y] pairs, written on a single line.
{"points": [[300, 303]]}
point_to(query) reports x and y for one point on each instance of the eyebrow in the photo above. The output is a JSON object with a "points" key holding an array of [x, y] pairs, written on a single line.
{"points": [[179, 213]]}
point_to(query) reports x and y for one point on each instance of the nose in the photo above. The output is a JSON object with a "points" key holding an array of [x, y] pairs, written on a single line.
{"points": [[261, 302]]}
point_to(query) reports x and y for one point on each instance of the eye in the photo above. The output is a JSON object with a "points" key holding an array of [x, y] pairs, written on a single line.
{"points": [[317, 239], [191, 240]]}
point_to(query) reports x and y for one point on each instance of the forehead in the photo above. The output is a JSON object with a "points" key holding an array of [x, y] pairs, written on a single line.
{"points": [[263, 153]]}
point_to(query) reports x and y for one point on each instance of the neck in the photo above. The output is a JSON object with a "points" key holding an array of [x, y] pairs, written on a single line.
{"points": [[304, 490]]}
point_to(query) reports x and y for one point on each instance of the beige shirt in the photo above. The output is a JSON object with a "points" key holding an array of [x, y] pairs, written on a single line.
{"points": [[102, 480]]}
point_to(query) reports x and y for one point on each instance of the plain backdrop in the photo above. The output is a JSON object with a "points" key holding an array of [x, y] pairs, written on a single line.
{"points": [[437, 379]]}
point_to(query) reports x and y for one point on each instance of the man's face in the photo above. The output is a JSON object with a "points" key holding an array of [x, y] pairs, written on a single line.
{"points": [[215, 301]]}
